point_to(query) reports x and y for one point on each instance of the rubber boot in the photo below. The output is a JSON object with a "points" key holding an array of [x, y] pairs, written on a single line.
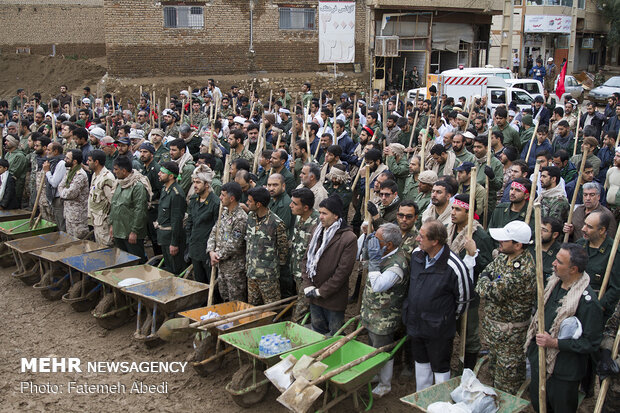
{"points": [[470, 360], [423, 376], [385, 377], [441, 377]]}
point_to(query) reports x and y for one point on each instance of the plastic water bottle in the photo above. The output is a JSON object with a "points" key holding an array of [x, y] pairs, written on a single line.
{"points": [[261, 346], [288, 345]]}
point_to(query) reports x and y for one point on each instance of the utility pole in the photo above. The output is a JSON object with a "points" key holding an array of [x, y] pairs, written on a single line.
{"points": [[505, 51]]}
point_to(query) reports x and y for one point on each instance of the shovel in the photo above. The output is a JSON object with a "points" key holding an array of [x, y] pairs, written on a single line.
{"points": [[300, 396], [180, 329], [284, 373], [32, 221]]}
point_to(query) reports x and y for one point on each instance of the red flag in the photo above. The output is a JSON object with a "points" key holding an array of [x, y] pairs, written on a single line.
{"points": [[559, 90]]}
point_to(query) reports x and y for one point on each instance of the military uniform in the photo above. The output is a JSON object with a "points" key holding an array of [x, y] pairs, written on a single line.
{"points": [[511, 136], [556, 206], [345, 194], [422, 200], [199, 119], [480, 196], [109, 160], [571, 361], [172, 131], [503, 214], [162, 154], [263, 176], [612, 401], [306, 98], [409, 243], [400, 170], [597, 264], [75, 194], [227, 239], [410, 189], [185, 174], [193, 143], [508, 288], [18, 167], [302, 232], [128, 213], [201, 217], [152, 174], [245, 154], [267, 251], [280, 205], [99, 201], [548, 257], [170, 226], [465, 156], [495, 184]]}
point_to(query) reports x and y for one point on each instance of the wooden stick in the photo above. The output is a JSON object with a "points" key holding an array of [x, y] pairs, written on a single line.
{"points": [[305, 131], [610, 264], [423, 151], [576, 193], [270, 99], [534, 136], [404, 74], [530, 203], [158, 113], [368, 219], [486, 203], [577, 131], [357, 176], [470, 232], [353, 116], [605, 384], [415, 123], [540, 287]]}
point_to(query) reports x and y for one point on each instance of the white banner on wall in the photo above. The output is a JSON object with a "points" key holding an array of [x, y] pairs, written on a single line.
{"points": [[336, 32], [547, 24]]}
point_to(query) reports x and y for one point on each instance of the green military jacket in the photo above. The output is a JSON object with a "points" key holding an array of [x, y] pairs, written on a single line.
{"points": [[263, 176], [496, 183], [597, 264], [344, 192], [465, 156], [109, 160], [162, 154], [152, 174], [289, 179], [524, 136], [509, 288], [280, 206], [185, 176], [297, 167], [128, 211], [381, 312], [18, 167], [286, 125], [511, 136], [422, 200], [400, 170], [502, 215], [172, 131], [307, 97], [302, 232], [267, 246], [410, 189], [484, 244], [572, 360], [193, 143], [548, 257], [201, 217], [170, 215]]}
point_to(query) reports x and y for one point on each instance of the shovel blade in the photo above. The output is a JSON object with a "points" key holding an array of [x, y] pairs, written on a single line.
{"points": [[176, 330], [300, 396], [313, 372], [304, 362], [281, 374]]}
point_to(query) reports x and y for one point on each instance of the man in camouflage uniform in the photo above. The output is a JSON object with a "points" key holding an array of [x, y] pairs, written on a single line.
{"points": [[508, 287], [302, 201], [267, 249], [198, 118], [226, 245], [384, 294], [552, 198], [608, 367], [74, 190], [170, 232], [237, 148], [102, 188], [170, 119]]}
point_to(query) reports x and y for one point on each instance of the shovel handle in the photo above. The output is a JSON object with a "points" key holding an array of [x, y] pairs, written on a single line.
{"points": [[345, 325], [335, 346], [227, 317], [350, 364]]}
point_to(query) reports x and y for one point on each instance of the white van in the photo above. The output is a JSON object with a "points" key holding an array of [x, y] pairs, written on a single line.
{"points": [[480, 71], [531, 86]]}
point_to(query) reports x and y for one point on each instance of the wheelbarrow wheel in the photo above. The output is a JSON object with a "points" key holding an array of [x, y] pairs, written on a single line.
{"points": [[106, 304], [151, 341], [30, 275], [54, 293], [243, 379], [205, 348], [86, 304]]}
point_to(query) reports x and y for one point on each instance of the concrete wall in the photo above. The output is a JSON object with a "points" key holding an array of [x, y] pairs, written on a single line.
{"points": [[39, 24], [138, 44]]}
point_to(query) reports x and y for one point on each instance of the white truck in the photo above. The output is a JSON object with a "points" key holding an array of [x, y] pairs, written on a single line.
{"points": [[497, 90]]}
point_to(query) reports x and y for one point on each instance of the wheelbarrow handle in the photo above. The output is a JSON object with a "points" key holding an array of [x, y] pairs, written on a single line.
{"points": [[345, 325], [398, 346]]}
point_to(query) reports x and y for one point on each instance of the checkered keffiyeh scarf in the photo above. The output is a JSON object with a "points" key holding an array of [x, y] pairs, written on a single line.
{"points": [[313, 253]]}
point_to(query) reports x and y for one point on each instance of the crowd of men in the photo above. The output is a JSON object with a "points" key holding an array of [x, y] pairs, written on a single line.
{"points": [[273, 194]]}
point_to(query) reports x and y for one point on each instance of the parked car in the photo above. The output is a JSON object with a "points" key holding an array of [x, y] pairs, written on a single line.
{"points": [[601, 93], [571, 86]]}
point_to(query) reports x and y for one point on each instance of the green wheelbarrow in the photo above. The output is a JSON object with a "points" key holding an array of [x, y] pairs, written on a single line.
{"points": [[249, 385], [508, 403], [115, 307], [20, 228]]}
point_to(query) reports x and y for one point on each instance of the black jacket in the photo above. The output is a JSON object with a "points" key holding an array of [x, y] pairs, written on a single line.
{"points": [[597, 123], [9, 200], [437, 295]]}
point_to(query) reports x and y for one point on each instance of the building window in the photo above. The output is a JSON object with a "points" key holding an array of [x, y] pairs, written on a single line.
{"points": [[293, 18], [518, 2], [183, 17], [581, 4], [463, 55]]}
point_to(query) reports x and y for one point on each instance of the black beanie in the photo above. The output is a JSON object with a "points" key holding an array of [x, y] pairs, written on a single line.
{"points": [[333, 204]]}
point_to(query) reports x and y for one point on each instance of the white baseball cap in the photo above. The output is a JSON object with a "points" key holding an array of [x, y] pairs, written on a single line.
{"points": [[517, 231], [240, 120]]}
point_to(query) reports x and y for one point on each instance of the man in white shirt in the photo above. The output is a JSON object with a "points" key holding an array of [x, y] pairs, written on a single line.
{"points": [[55, 171]]}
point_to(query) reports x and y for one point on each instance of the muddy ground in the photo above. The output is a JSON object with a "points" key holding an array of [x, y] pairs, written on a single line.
{"points": [[35, 327]]}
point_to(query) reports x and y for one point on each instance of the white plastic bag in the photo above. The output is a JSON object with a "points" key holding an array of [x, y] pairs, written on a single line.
{"points": [[570, 328], [445, 407], [478, 397]]}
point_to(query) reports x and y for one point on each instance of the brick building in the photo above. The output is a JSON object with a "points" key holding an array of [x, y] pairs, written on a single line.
{"points": [[216, 36], [49, 27]]}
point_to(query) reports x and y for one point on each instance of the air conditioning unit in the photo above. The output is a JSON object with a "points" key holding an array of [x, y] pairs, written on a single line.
{"points": [[386, 46]]}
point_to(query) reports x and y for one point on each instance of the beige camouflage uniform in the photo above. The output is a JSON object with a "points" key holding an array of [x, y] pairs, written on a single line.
{"points": [[302, 232], [99, 199], [76, 202], [230, 246]]}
